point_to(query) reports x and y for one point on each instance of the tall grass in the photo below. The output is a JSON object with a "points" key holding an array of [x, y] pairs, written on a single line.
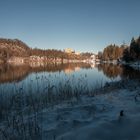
{"points": [[20, 109]]}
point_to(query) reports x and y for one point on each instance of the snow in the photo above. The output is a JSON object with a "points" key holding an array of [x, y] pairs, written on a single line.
{"points": [[96, 117]]}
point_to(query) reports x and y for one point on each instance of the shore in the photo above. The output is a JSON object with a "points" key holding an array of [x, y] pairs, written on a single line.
{"points": [[106, 113], [97, 116], [134, 65]]}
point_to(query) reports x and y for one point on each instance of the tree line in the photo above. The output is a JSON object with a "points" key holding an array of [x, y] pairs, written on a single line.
{"points": [[15, 47], [123, 52], [132, 53], [53, 53]]}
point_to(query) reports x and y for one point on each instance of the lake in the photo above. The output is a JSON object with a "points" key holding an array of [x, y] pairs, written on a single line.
{"points": [[37, 77]]}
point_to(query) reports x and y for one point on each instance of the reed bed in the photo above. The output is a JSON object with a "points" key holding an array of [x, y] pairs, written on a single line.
{"points": [[20, 108]]}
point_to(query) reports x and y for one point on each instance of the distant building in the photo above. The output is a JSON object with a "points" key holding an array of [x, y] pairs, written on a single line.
{"points": [[77, 53], [93, 58], [69, 50]]}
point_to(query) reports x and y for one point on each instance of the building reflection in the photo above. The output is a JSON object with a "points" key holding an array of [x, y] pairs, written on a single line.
{"points": [[16, 73], [70, 70]]}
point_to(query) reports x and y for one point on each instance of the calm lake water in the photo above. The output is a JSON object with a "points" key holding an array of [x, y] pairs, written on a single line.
{"points": [[36, 77]]}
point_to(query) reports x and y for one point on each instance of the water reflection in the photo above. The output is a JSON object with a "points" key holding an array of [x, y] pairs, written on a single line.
{"points": [[16, 73], [113, 71], [130, 73], [110, 70], [10, 73]]}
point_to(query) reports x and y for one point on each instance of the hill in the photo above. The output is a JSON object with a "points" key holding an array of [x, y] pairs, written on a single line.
{"points": [[13, 47]]}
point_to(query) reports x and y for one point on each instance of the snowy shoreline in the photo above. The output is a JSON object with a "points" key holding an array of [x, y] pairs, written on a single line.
{"points": [[93, 116], [97, 117]]}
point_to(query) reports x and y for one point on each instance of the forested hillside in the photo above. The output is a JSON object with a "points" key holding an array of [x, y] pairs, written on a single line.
{"points": [[13, 47]]}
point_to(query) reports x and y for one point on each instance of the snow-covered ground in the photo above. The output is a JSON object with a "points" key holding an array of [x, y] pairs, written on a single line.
{"points": [[109, 113], [97, 117]]}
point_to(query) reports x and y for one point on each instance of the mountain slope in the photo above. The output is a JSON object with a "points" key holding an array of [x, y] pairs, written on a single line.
{"points": [[13, 47]]}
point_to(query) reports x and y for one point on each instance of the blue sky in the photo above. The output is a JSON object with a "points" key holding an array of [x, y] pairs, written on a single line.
{"points": [[84, 25]]}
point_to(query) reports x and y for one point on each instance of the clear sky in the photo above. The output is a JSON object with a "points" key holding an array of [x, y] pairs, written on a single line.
{"points": [[84, 25]]}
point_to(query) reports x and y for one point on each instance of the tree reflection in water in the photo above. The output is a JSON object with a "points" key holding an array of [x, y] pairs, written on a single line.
{"points": [[113, 71], [16, 73]]}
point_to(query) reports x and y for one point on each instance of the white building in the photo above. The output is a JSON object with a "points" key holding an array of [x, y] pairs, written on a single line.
{"points": [[93, 58], [69, 50]]}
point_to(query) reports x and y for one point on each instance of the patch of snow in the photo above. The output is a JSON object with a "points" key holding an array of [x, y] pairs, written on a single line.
{"points": [[95, 118]]}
